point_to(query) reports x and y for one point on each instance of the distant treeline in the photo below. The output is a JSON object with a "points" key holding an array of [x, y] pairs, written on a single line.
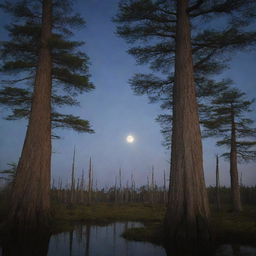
{"points": [[84, 190], [143, 194], [114, 194], [248, 195], [82, 193]]}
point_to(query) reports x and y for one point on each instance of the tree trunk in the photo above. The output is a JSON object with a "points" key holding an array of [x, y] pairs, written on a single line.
{"points": [[235, 190], [187, 213], [30, 202]]}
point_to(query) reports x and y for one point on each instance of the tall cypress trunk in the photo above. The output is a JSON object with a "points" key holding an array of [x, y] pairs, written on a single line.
{"points": [[235, 190], [30, 203], [187, 213]]}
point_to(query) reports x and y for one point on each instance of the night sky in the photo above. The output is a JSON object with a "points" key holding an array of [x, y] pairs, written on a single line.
{"points": [[115, 112]]}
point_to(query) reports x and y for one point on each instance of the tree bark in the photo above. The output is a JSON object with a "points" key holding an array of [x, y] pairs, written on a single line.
{"points": [[30, 202], [235, 190], [187, 213]]}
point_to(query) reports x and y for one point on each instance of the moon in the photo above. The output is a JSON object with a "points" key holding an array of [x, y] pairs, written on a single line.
{"points": [[130, 139]]}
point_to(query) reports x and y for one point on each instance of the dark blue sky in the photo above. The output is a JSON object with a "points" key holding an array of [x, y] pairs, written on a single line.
{"points": [[114, 112]]}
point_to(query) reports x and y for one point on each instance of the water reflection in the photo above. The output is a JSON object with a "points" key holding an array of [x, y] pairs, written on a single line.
{"points": [[26, 244], [236, 250], [91, 240], [100, 240]]}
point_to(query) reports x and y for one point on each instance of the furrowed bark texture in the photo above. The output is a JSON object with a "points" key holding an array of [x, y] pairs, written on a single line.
{"points": [[235, 190], [30, 202], [188, 210]]}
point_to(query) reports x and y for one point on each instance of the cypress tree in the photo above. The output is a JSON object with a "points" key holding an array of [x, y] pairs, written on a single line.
{"points": [[46, 65], [227, 118], [188, 210], [70, 73], [149, 26], [163, 38]]}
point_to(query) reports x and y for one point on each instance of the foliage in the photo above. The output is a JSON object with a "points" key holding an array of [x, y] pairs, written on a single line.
{"points": [[150, 26], [9, 174], [19, 57], [232, 106]]}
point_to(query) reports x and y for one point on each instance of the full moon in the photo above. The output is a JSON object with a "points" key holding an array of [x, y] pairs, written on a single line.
{"points": [[130, 139]]}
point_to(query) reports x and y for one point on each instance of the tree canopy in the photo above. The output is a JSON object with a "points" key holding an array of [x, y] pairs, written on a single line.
{"points": [[219, 29], [19, 54], [232, 106]]}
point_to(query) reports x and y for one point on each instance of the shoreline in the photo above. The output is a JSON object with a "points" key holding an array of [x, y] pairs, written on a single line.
{"points": [[228, 227]]}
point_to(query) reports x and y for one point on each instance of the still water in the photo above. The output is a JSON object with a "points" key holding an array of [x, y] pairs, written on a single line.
{"points": [[101, 241], [93, 240]]}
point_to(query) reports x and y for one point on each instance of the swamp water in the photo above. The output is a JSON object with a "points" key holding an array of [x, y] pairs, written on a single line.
{"points": [[93, 240]]}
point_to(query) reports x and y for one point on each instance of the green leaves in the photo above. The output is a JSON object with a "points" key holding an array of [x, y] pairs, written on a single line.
{"points": [[19, 102], [231, 106], [72, 81], [70, 73], [150, 26], [17, 66], [70, 121]]}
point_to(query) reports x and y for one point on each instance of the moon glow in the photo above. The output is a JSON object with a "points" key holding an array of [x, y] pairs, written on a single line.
{"points": [[130, 139]]}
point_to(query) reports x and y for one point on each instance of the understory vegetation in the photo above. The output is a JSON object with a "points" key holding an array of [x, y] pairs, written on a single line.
{"points": [[228, 226]]}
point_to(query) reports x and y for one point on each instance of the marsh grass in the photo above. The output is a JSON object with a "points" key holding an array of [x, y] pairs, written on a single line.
{"points": [[109, 212], [227, 227], [103, 213], [232, 227]]}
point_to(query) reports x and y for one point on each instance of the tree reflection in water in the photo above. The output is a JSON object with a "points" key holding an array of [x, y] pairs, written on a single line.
{"points": [[32, 244]]}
